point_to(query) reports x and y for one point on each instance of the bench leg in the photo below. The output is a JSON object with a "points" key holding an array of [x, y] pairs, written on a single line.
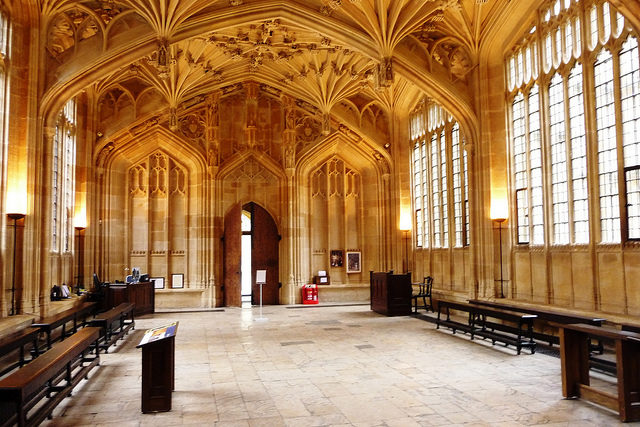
{"points": [[21, 355]]}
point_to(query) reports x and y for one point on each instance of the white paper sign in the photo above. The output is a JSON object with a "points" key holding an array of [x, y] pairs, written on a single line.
{"points": [[261, 276]]}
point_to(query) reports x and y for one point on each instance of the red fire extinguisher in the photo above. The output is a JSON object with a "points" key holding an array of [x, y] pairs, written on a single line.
{"points": [[310, 294]]}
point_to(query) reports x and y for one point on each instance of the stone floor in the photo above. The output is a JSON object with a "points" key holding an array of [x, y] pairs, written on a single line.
{"points": [[321, 366]]}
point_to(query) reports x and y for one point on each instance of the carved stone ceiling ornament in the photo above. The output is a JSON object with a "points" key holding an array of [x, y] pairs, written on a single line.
{"points": [[305, 64]]}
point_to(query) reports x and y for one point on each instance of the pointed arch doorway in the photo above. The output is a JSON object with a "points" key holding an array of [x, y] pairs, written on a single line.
{"points": [[251, 243]]}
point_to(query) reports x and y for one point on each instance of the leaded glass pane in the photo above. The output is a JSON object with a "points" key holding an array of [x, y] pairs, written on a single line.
{"points": [[594, 26], [522, 209], [457, 184], [630, 95], [632, 178], [606, 21], [444, 191], [579, 184], [559, 190], [607, 154], [435, 179], [535, 150], [568, 40]]}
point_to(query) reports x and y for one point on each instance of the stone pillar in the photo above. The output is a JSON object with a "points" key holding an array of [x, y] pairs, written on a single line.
{"points": [[212, 247], [290, 288], [42, 294]]}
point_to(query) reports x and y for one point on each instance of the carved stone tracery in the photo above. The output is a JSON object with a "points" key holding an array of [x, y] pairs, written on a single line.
{"points": [[76, 24]]}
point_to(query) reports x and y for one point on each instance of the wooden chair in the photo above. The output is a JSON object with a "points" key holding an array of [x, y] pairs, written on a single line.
{"points": [[424, 292]]}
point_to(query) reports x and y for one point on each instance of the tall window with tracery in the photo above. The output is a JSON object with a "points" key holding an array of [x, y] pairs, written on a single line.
{"points": [[63, 153], [4, 74], [440, 197], [584, 146], [630, 95]]}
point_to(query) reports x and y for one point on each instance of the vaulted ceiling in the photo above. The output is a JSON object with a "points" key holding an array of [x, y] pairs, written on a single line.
{"points": [[329, 54]]}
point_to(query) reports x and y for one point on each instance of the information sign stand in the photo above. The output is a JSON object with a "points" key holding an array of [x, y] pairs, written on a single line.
{"points": [[158, 367], [261, 279]]}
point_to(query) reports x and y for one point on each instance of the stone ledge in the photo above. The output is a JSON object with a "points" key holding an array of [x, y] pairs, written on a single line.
{"points": [[344, 293], [179, 298]]}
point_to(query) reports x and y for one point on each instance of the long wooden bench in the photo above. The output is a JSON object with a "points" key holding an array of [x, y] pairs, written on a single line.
{"points": [[629, 327], [52, 376], [450, 323], [77, 315], [605, 363], [114, 324], [519, 334], [547, 315], [574, 356], [18, 341]]}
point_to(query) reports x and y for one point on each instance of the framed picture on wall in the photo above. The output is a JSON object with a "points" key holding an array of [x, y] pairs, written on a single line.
{"points": [[353, 262], [158, 282], [336, 258], [177, 281]]}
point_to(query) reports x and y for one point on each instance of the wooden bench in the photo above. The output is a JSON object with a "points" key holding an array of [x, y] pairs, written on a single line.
{"points": [[450, 323], [547, 315], [115, 323], [519, 334], [629, 327], [52, 376], [17, 341], [75, 315], [605, 363], [574, 357]]}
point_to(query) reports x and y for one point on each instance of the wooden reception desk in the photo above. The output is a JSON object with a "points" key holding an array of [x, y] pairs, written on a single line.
{"points": [[141, 294]]}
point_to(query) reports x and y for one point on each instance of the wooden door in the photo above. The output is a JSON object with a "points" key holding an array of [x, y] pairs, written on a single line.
{"points": [[264, 254], [232, 256]]}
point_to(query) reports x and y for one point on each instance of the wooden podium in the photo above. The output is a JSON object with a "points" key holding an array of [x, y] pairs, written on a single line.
{"points": [[158, 367]]}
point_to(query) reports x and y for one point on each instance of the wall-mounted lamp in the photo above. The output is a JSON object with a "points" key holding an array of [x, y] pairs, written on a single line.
{"points": [[500, 221], [405, 227], [499, 214], [80, 223], [80, 219], [15, 217], [80, 258]]}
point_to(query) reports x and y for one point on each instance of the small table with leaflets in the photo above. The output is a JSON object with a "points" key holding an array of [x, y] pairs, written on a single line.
{"points": [[158, 367]]}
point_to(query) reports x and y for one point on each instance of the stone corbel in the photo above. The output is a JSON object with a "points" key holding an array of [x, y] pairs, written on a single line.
{"points": [[173, 119], [326, 124], [384, 73]]}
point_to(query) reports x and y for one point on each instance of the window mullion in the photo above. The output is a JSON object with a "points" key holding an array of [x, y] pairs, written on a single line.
{"points": [[546, 156], [622, 203]]}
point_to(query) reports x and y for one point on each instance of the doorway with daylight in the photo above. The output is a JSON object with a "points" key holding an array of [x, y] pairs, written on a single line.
{"points": [[251, 243]]}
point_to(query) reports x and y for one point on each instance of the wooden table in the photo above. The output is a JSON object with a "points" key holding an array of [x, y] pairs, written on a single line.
{"points": [[574, 356]]}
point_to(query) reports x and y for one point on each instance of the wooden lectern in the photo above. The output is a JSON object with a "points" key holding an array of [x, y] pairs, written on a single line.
{"points": [[158, 367]]}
